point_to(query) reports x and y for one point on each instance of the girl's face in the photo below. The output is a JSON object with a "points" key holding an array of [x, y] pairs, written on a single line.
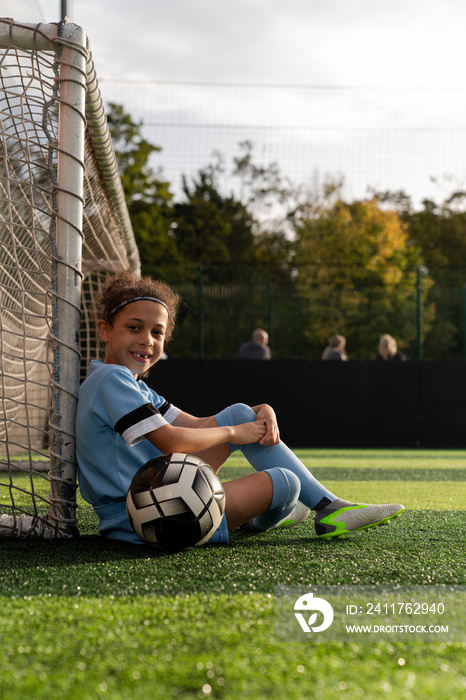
{"points": [[136, 338]]}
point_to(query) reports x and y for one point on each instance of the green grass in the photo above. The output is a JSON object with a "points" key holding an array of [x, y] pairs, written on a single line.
{"points": [[97, 619]]}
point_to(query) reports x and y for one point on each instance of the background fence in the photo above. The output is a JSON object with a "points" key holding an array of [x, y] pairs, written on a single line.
{"points": [[322, 404], [216, 319]]}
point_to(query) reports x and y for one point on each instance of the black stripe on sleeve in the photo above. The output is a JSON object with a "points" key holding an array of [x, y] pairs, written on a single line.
{"points": [[164, 408], [136, 416]]}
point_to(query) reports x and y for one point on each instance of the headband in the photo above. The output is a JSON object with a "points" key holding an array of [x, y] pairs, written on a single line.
{"points": [[131, 300]]}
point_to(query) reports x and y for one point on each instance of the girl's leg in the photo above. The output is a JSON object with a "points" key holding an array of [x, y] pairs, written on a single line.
{"points": [[247, 497], [286, 490], [335, 516], [312, 494], [264, 497]]}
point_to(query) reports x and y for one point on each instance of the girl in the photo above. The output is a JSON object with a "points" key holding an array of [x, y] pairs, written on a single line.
{"points": [[122, 423]]}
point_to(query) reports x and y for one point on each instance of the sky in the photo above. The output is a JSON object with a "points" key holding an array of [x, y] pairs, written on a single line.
{"points": [[413, 43], [409, 56]]}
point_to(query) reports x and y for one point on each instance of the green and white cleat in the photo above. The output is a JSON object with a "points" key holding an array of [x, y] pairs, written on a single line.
{"points": [[299, 513], [342, 517]]}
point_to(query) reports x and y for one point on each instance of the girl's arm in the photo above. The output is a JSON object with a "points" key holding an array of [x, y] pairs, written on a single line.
{"points": [[186, 420], [186, 434], [263, 412]]}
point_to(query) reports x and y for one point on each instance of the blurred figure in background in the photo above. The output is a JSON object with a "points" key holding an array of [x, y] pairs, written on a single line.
{"points": [[257, 348], [388, 349], [336, 349]]}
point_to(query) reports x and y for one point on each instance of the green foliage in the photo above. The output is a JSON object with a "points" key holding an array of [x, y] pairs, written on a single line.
{"points": [[357, 268], [230, 234], [148, 197], [439, 230], [223, 232], [132, 153], [213, 230]]}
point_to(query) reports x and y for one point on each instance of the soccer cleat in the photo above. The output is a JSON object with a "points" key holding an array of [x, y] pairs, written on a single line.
{"points": [[299, 513], [342, 517]]}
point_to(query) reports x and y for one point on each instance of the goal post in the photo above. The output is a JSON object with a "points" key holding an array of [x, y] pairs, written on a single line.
{"points": [[64, 226]]}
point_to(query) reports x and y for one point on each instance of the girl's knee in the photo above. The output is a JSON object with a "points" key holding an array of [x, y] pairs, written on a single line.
{"points": [[242, 413], [286, 490], [294, 484], [286, 485]]}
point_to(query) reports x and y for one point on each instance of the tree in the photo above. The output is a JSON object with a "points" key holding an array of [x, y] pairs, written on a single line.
{"points": [[358, 269], [439, 230], [228, 232], [272, 201], [213, 230], [148, 197]]}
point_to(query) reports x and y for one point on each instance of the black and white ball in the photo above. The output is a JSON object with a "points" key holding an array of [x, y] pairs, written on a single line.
{"points": [[175, 501]]}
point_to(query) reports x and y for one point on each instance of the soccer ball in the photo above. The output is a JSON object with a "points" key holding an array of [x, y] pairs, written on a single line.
{"points": [[175, 502]]}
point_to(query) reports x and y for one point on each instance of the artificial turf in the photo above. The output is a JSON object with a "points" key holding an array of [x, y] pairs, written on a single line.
{"points": [[91, 618]]}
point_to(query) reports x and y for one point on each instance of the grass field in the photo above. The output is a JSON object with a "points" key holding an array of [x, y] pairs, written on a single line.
{"points": [[96, 619]]}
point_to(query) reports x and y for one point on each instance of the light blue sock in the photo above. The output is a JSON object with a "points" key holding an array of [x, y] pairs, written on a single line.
{"points": [[261, 457], [286, 488]]}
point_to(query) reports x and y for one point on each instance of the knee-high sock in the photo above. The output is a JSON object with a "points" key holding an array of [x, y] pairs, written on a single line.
{"points": [[262, 457], [286, 489]]}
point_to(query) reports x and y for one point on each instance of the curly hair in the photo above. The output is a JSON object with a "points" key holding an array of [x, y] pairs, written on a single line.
{"points": [[125, 285]]}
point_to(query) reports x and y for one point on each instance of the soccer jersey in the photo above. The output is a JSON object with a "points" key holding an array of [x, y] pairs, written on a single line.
{"points": [[115, 412]]}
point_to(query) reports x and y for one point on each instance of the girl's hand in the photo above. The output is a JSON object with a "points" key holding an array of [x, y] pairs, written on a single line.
{"points": [[266, 414], [247, 433]]}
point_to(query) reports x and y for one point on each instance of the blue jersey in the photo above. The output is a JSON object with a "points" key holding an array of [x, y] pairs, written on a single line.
{"points": [[114, 414]]}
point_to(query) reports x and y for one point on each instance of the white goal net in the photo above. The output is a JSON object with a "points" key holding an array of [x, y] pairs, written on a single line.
{"points": [[64, 226]]}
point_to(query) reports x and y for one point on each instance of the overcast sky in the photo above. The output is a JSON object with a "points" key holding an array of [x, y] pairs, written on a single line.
{"points": [[408, 128], [415, 43]]}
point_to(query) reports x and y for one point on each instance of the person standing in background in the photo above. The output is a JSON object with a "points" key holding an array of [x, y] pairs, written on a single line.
{"points": [[336, 349], [257, 348], [388, 349]]}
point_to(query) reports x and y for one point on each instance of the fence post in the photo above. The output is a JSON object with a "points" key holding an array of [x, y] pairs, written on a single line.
{"points": [[464, 322], [200, 306], [422, 271], [270, 314]]}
